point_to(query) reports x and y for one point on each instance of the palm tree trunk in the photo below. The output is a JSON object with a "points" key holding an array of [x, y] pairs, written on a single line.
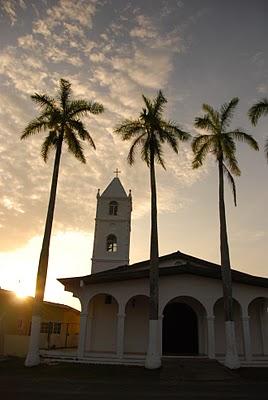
{"points": [[153, 358], [224, 249], [231, 356], [154, 252], [33, 351]]}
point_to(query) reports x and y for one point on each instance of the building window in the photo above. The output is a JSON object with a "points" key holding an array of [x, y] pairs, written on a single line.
{"points": [[51, 327], [57, 328], [44, 327], [111, 244], [113, 208]]}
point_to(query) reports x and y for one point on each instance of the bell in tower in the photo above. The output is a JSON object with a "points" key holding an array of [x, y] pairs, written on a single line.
{"points": [[112, 227]]}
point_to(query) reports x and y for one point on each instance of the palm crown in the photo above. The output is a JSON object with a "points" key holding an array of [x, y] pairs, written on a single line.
{"points": [[60, 116], [150, 131], [220, 140], [255, 112]]}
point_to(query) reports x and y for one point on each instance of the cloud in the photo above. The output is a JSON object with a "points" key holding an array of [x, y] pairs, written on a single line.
{"points": [[11, 7], [262, 88], [144, 29], [114, 68]]}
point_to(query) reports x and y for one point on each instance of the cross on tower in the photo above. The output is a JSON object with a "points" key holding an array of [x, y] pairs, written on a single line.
{"points": [[116, 172]]}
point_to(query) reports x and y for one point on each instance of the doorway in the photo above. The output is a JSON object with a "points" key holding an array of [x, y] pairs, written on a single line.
{"points": [[180, 330]]}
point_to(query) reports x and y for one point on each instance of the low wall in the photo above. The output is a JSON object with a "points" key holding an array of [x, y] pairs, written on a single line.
{"points": [[15, 345]]}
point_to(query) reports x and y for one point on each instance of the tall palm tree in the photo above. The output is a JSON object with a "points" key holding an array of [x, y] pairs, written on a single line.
{"points": [[220, 142], [59, 116], [149, 132], [255, 112]]}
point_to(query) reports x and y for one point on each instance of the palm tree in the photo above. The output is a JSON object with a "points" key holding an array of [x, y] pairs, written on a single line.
{"points": [[149, 132], [220, 142], [255, 112], [60, 117]]}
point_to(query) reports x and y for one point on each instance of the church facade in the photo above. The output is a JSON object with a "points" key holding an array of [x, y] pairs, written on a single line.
{"points": [[114, 298]]}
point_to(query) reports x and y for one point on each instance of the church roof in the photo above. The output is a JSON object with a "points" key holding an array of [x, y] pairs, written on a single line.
{"points": [[114, 189], [180, 263]]}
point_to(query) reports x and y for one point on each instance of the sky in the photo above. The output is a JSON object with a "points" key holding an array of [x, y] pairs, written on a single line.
{"points": [[113, 51]]}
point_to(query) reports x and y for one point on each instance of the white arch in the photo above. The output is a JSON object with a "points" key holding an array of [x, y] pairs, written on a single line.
{"points": [[252, 300], [182, 297], [124, 305], [104, 292], [234, 301]]}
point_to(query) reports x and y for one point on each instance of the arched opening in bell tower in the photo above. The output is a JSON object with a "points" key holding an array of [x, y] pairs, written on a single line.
{"points": [[111, 244]]}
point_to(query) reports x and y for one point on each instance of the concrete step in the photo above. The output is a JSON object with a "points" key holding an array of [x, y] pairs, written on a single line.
{"points": [[195, 369], [255, 363], [52, 358]]}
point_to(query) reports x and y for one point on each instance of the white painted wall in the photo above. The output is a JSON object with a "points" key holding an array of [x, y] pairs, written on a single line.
{"points": [[255, 314], [103, 325], [204, 291], [118, 225], [220, 328], [136, 325]]}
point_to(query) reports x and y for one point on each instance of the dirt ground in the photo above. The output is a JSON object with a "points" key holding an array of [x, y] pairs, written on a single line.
{"points": [[74, 381]]}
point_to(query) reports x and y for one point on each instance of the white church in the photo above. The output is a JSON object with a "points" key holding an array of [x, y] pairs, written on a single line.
{"points": [[114, 299]]}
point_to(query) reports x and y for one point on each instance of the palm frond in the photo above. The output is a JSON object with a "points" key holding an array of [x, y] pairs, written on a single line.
{"points": [[49, 142], [158, 154], [137, 142], [146, 150], [79, 108], [202, 152], [35, 126], [231, 181], [238, 134], [266, 148], [78, 126], [43, 101], [148, 103], [199, 140], [227, 112], [257, 110], [74, 145], [96, 108], [64, 93], [172, 128], [213, 114], [232, 163], [205, 123], [170, 139], [129, 128], [158, 104]]}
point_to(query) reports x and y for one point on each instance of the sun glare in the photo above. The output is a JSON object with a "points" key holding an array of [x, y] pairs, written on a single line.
{"points": [[21, 292]]}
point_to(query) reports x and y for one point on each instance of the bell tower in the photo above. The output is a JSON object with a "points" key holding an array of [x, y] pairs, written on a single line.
{"points": [[112, 227]]}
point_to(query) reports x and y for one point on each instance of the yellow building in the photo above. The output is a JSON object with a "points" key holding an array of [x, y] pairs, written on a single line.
{"points": [[59, 328]]}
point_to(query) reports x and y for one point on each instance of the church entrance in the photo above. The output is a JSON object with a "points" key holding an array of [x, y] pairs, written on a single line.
{"points": [[180, 330]]}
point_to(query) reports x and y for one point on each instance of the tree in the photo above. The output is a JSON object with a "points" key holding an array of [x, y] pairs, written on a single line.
{"points": [[220, 142], [59, 116], [255, 112], [148, 133]]}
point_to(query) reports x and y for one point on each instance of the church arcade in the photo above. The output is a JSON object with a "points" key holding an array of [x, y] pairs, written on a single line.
{"points": [[115, 303]]}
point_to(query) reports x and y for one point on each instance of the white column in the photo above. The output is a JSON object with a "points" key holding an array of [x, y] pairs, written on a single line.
{"points": [[153, 356], [33, 357], [247, 340], [264, 327], [160, 320], [211, 336], [82, 334], [120, 335], [231, 355]]}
